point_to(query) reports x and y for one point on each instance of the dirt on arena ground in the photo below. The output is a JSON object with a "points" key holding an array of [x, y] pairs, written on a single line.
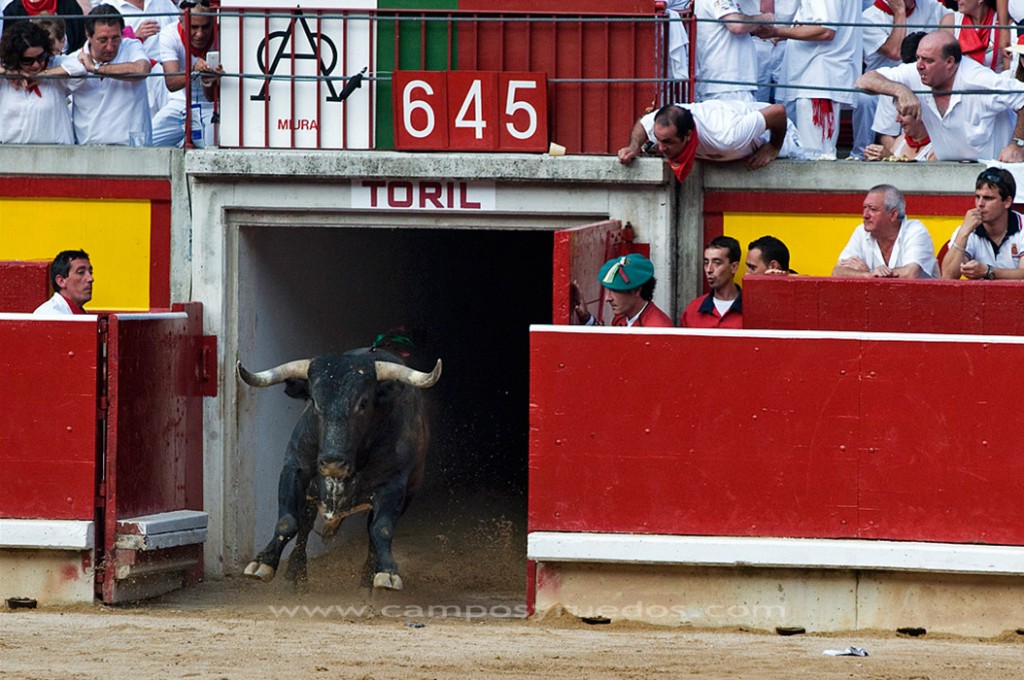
{"points": [[460, 615]]}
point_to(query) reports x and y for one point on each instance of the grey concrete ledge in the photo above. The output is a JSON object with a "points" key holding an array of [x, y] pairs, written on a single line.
{"points": [[491, 166], [935, 177], [88, 161]]}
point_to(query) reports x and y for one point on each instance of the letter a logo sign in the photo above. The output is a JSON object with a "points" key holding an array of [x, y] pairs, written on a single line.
{"points": [[292, 44]]}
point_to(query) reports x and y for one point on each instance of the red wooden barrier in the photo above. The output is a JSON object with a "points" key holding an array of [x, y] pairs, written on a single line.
{"points": [[801, 302], [48, 418], [23, 285], [731, 434]]}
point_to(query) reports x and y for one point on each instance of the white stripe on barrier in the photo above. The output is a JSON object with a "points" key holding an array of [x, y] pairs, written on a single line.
{"points": [[49, 534], [17, 316], [797, 553], [786, 334]]}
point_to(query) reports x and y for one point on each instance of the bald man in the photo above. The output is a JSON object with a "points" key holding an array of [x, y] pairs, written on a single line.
{"points": [[961, 126]]}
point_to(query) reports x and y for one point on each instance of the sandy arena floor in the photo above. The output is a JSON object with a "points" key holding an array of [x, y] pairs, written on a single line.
{"points": [[459, 616]]}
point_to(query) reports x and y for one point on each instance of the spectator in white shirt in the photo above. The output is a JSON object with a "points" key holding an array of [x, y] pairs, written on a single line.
{"points": [[201, 35], [143, 20], [34, 107], [110, 106]]}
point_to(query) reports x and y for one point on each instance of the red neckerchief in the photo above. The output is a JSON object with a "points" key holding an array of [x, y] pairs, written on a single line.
{"points": [[34, 87], [183, 34], [682, 164], [975, 41], [917, 143], [823, 116], [36, 7], [75, 309], [884, 6]]}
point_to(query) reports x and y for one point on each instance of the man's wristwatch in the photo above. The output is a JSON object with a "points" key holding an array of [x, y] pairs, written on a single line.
{"points": [[1018, 142], [991, 273]]}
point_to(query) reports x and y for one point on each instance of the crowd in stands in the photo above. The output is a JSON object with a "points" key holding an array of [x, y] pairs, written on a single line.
{"points": [[817, 57], [113, 75]]}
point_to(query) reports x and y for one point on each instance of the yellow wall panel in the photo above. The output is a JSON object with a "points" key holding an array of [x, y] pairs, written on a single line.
{"points": [[815, 241], [115, 233]]}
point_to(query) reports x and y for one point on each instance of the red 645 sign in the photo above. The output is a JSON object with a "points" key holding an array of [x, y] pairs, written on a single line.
{"points": [[470, 111]]}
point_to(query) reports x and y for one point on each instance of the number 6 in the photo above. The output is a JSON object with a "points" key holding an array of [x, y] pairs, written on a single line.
{"points": [[408, 106]]}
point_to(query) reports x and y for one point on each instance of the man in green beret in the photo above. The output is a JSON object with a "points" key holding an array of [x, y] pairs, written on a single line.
{"points": [[628, 283]]}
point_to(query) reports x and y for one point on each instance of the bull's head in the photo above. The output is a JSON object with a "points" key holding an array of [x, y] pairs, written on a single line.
{"points": [[348, 402]]}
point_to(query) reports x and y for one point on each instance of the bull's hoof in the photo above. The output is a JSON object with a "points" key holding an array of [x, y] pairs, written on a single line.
{"points": [[263, 572], [387, 581]]}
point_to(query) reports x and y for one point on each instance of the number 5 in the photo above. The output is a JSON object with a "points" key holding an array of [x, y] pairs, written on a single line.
{"points": [[512, 106]]}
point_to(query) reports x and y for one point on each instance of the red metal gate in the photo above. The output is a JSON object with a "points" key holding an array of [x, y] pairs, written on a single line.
{"points": [[153, 524]]}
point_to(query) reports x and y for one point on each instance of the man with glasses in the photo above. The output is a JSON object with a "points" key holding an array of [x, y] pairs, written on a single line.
{"points": [[109, 101], [143, 21], [990, 242]]}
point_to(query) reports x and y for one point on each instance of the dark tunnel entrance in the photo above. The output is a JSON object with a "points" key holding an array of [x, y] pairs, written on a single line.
{"points": [[465, 295]]}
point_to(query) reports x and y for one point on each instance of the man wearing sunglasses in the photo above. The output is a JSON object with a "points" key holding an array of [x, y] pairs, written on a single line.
{"points": [[110, 104], [990, 242]]}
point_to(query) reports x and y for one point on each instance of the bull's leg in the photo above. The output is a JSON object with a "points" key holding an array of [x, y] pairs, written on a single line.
{"points": [[296, 571], [387, 508], [291, 497]]}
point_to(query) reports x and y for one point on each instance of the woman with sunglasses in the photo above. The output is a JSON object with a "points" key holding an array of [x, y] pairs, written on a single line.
{"points": [[34, 106]]}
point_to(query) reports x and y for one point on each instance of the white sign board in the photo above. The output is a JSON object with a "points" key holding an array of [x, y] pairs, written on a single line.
{"points": [[329, 38], [410, 194]]}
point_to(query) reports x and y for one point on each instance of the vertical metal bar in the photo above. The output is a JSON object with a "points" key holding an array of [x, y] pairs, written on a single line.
{"points": [[344, 71], [692, 87], [240, 23], [423, 41], [398, 50], [267, 82], [476, 42], [187, 68], [529, 44], [609, 88], [450, 47], [554, 130], [291, 84], [372, 24], [319, 83], [580, 91]]}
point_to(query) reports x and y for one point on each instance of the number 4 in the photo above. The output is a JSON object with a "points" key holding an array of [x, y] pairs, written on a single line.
{"points": [[512, 106], [478, 123]]}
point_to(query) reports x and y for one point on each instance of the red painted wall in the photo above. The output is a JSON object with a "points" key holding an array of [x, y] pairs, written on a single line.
{"points": [[48, 419], [680, 433], [806, 303]]}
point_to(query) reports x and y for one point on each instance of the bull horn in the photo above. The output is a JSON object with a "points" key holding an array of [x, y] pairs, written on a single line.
{"points": [[298, 370], [387, 370]]}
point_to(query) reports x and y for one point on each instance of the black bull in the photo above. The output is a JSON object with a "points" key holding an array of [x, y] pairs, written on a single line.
{"points": [[360, 443]]}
